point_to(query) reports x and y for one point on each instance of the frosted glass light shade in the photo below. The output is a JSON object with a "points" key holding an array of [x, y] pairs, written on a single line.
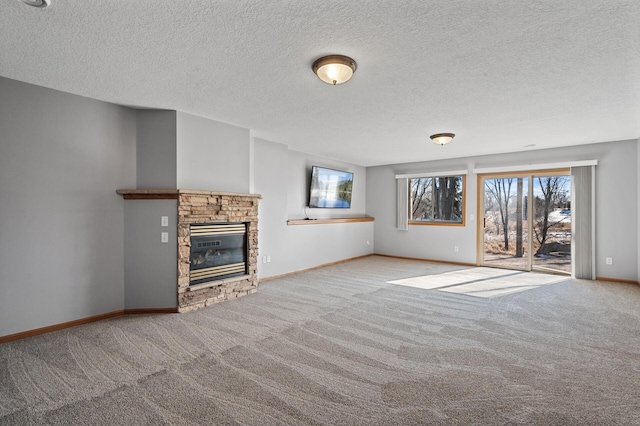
{"points": [[334, 69], [442, 138], [38, 3]]}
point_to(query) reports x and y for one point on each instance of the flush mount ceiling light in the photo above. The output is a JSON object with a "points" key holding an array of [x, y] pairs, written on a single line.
{"points": [[37, 3], [334, 69], [442, 138]]}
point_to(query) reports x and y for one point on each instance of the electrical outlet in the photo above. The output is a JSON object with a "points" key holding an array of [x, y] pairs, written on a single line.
{"points": [[269, 259], [164, 237], [264, 259], [609, 260], [456, 249], [164, 221]]}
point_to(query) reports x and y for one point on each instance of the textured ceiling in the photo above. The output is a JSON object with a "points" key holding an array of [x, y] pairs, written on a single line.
{"points": [[501, 74]]}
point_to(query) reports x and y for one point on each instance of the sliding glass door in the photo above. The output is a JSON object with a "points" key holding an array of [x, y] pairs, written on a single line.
{"points": [[526, 221], [552, 223], [506, 236]]}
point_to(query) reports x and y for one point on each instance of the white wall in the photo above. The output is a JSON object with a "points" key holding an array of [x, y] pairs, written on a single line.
{"points": [[211, 155], [616, 206], [282, 178], [61, 223]]}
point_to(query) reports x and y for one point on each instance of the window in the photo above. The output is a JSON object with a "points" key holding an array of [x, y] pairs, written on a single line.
{"points": [[437, 200]]}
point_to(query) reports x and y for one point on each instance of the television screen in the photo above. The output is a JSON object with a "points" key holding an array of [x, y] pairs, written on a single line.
{"points": [[330, 188]]}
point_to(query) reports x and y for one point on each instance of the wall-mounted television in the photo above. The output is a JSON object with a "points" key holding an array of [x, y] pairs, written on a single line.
{"points": [[330, 188]]}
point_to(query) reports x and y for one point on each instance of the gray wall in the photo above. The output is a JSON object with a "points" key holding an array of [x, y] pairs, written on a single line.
{"points": [[282, 177], [425, 242], [616, 206], [179, 150], [638, 166], [300, 175], [175, 150], [150, 266], [271, 181], [156, 149], [61, 223], [211, 155], [62, 226]]}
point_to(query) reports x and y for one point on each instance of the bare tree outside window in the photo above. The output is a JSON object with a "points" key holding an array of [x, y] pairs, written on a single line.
{"points": [[437, 200], [500, 192], [554, 196]]}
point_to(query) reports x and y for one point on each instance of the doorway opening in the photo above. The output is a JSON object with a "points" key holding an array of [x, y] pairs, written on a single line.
{"points": [[525, 221]]}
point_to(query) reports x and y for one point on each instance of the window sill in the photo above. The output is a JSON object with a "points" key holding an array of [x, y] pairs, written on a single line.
{"points": [[435, 223]]}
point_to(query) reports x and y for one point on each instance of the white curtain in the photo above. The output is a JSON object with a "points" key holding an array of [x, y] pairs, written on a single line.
{"points": [[583, 222], [402, 204]]}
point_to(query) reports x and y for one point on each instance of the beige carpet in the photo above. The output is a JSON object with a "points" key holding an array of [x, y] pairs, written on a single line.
{"points": [[376, 341]]}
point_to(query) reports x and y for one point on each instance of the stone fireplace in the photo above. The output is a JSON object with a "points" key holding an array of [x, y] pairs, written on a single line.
{"points": [[217, 244], [197, 208]]}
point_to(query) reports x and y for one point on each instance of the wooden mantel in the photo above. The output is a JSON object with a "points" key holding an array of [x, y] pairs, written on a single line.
{"points": [[171, 194], [148, 194]]}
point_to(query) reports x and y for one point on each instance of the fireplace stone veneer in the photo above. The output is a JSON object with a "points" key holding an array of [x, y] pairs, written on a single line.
{"points": [[207, 207], [199, 207]]}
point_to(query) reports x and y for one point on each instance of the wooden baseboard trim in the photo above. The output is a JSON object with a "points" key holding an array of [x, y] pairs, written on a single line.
{"points": [[448, 262], [618, 280], [151, 311], [68, 324], [56, 327], [275, 277]]}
